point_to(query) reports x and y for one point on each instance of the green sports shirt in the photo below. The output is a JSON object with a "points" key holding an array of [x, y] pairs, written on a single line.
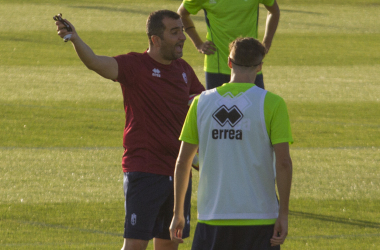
{"points": [[226, 20], [277, 125]]}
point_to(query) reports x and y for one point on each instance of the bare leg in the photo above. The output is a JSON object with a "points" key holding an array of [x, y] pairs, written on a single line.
{"points": [[162, 244], [134, 244]]}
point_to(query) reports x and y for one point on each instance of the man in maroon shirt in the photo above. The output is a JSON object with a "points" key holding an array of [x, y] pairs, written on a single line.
{"points": [[156, 86]]}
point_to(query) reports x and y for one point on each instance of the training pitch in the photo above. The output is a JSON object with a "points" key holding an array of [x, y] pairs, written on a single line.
{"points": [[61, 125]]}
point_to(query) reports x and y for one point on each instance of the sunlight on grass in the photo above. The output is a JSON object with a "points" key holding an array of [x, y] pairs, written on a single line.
{"points": [[336, 174], [61, 125], [325, 84], [61, 175], [301, 84], [85, 17], [295, 18], [46, 83], [330, 19]]}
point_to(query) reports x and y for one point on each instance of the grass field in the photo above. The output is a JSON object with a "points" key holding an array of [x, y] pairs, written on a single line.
{"points": [[61, 125]]}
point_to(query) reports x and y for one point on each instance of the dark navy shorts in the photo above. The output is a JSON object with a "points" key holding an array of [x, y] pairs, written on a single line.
{"points": [[214, 80], [208, 237], [149, 202]]}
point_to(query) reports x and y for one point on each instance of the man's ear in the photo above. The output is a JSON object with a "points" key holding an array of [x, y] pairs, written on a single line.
{"points": [[259, 68], [156, 40], [229, 63]]}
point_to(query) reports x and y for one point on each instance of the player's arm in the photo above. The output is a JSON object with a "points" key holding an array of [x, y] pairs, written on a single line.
{"points": [[103, 65], [284, 181], [207, 47], [273, 18], [181, 181]]}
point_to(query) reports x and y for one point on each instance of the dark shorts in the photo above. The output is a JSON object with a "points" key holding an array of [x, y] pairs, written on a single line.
{"points": [[214, 80], [208, 237], [149, 202]]}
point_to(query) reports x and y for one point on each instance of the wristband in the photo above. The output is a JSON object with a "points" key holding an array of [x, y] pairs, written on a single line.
{"points": [[59, 18]]}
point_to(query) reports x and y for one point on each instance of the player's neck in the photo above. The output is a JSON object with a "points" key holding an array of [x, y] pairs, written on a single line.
{"points": [[155, 55], [242, 78]]}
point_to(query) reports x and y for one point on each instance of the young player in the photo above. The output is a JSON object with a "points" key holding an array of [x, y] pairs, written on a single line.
{"points": [[227, 20], [241, 130]]}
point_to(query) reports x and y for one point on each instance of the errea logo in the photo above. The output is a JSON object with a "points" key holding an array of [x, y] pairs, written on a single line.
{"points": [[225, 115], [232, 116], [156, 72]]}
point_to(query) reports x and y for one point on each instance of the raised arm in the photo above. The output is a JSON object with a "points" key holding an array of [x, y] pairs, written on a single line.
{"points": [[207, 47], [181, 181], [103, 65], [273, 18], [284, 181]]}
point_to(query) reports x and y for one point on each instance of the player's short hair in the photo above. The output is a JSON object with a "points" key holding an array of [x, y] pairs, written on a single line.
{"points": [[247, 52], [154, 24]]}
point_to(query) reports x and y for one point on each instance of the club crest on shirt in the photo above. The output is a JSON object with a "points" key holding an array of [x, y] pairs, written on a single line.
{"points": [[184, 77], [156, 72], [133, 219]]}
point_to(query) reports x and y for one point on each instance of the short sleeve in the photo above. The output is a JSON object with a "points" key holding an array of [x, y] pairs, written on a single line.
{"points": [[277, 119], [193, 6], [189, 132], [267, 2], [125, 67]]}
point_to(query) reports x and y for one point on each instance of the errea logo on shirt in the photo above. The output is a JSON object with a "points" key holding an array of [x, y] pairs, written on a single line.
{"points": [[224, 115], [156, 72]]}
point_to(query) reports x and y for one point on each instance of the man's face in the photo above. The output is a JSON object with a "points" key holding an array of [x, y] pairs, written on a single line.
{"points": [[173, 39]]}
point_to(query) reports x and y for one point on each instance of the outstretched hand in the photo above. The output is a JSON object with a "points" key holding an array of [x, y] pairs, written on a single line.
{"points": [[280, 231], [62, 30], [207, 48]]}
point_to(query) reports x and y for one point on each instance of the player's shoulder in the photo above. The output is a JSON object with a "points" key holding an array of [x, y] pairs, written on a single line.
{"points": [[273, 100], [193, 6], [130, 55], [273, 96], [182, 64]]}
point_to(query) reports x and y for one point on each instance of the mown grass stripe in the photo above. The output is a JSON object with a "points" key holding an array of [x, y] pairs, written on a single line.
{"points": [[344, 236]]}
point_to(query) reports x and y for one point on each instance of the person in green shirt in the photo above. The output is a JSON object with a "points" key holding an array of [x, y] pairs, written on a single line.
{"points": [[242, 132], [227, 20]]}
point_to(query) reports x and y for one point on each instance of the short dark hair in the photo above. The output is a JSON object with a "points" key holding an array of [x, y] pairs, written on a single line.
{"points": [[247, 51], [154, 24]]}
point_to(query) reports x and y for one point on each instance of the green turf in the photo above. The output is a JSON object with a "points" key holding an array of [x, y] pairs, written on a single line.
{"points": [[61, 125]]}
